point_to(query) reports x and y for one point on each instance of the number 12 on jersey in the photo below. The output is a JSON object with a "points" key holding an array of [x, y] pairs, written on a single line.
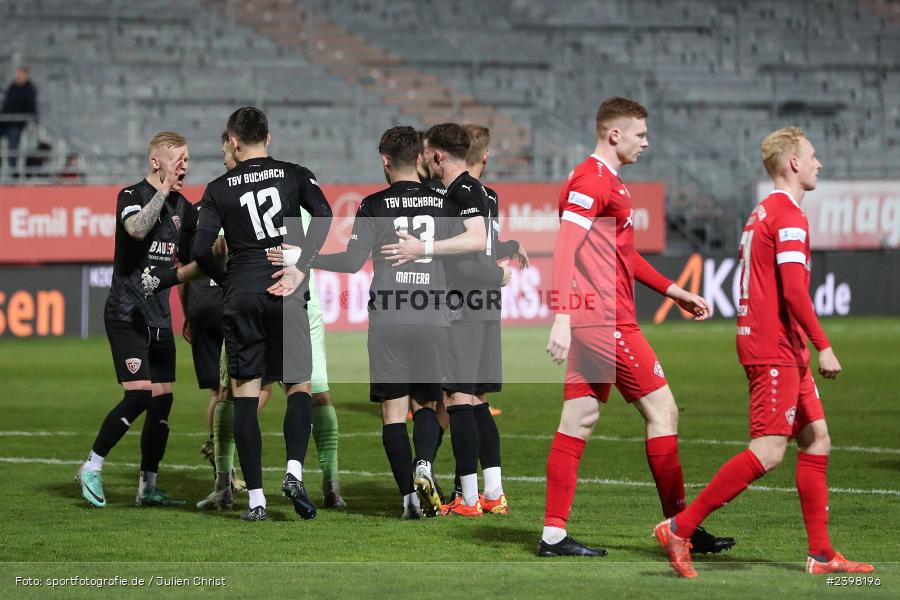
{"points": [[252, 204]]}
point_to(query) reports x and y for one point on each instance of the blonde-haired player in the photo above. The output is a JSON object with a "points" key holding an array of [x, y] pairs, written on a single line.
{"points": [[775, 319], [151, 217]]}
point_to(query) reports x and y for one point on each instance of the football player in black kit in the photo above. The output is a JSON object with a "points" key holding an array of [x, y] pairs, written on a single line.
{"points": [[445, 149], [202, 300], [408, 314], [151, 217], [266, 328], [493, 500]]}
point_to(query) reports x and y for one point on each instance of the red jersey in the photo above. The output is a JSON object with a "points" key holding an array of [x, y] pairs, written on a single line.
{"points": [[592, 192], [768, 333]]}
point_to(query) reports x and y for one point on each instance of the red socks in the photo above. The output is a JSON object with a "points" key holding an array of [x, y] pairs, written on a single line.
{"points": [[662, 454], [562, 475], [813, 490], [732, 479]]}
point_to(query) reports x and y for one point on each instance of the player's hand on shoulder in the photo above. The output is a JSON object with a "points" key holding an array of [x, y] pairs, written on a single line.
{"points": [[829, 367], [407, 249], [288, 280], [560, 339]]}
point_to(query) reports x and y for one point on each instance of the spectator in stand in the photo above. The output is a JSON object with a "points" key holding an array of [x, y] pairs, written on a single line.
{"points": [[71, 172], [20, 100]]}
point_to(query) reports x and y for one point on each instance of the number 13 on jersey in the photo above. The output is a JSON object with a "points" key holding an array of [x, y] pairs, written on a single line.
{"points": [[424, 222]]}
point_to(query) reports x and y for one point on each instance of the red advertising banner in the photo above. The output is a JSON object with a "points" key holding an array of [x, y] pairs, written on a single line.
{"points": [[77, 223], [851, 215]]}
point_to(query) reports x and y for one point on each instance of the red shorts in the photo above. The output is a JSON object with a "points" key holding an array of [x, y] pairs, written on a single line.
{"points": [[591, 367], [783, 400]]}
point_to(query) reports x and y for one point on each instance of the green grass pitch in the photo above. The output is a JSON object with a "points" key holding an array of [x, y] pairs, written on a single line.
{"points": [[57, 391]]}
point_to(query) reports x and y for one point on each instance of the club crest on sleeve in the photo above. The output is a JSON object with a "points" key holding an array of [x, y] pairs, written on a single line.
{"points": [[177, 220], [657, 369], [132, 364]]}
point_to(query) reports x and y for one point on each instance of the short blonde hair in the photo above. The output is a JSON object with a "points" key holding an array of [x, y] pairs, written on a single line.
{"points": [[165, 139], [778, 144], [479, 142]]}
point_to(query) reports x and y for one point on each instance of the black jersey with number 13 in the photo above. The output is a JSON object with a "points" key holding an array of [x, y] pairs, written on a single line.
{"points": [[413, 293]]}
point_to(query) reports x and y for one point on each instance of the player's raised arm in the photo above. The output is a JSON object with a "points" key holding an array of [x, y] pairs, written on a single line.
{"points": [[139, 221]]}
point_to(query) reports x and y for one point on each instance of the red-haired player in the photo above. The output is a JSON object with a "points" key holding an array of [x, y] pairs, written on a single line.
{"points": [[595, 262]]}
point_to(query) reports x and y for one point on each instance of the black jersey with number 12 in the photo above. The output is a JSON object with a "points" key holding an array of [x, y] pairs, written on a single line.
{"points": [[251, 203]]}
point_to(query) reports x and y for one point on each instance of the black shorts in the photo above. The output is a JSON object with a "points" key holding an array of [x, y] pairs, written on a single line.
{"points": [[140, 352], [406, 360], [266, 336], [475, 361], [206, 348]]}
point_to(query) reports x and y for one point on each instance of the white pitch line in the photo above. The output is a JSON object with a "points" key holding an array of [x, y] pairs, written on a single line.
{"points": [[36, 433], [511, 436], [24, 460]]}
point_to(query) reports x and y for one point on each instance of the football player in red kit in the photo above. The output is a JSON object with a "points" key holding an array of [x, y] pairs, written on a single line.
{"points": [[595, 335], [775, 319]]}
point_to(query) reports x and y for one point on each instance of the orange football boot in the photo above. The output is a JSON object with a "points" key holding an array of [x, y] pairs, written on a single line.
{"points": [[838, 564], [464, 510], [496, 507], [445, 508], [678, 549]]}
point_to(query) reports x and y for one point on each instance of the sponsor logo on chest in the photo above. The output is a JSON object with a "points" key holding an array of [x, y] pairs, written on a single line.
{"points": [[162, 249]]}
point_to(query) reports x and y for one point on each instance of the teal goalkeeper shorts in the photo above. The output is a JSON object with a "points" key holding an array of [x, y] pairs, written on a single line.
{"points": [[317, 336]]}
